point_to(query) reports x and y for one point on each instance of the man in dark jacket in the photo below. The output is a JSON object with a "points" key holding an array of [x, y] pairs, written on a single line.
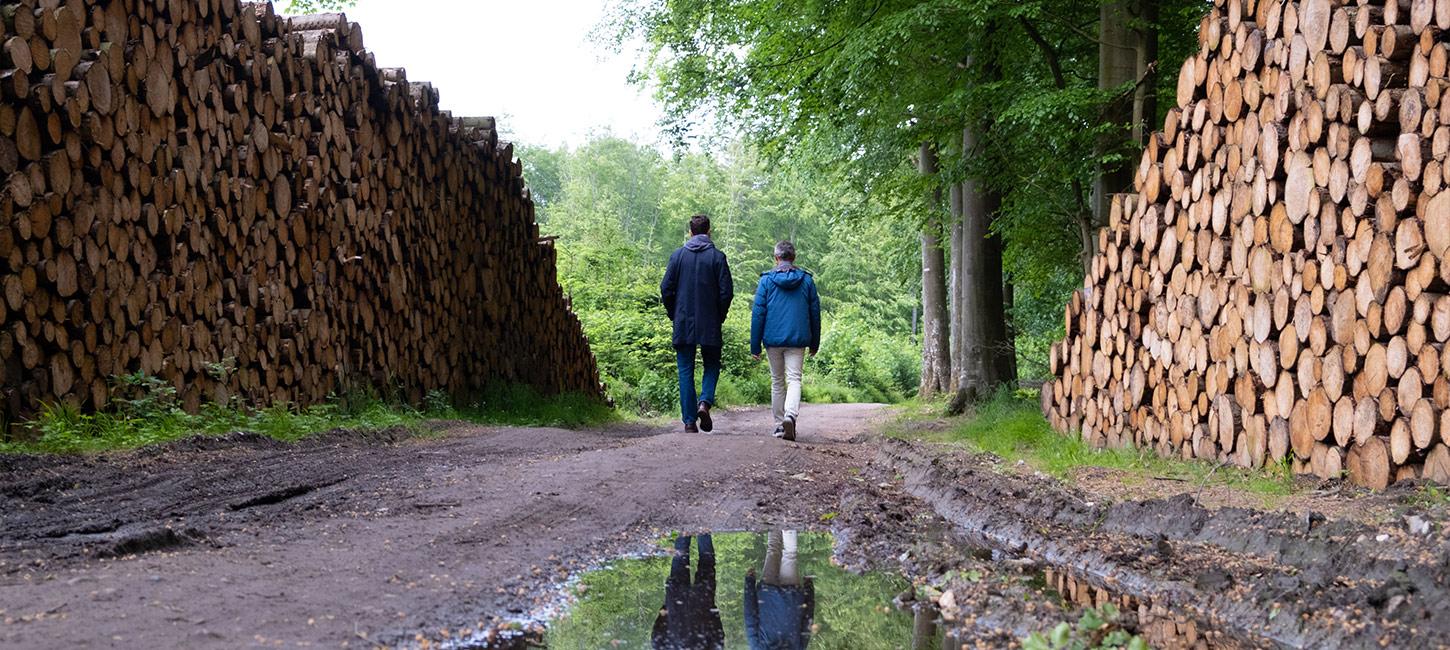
{"points": [[689, 620], [786, 319], [696, 292]]}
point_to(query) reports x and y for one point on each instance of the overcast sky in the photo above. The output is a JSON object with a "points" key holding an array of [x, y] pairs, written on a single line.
{"points": [[529, 63]]}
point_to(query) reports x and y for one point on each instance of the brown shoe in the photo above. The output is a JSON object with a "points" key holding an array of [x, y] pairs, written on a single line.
{"points": [[691, 428], [703, 415]]}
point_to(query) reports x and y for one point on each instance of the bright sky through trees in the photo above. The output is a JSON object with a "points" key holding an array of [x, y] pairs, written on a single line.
{"points": [[531, 64]]}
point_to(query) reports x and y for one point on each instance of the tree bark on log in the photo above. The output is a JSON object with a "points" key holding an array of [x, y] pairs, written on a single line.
{"points": [[246, 206], [1287, 244]]}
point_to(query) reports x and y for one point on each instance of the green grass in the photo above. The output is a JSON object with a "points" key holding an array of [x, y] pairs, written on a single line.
{"points": [[524, 407], [151, 415], [1011, 427]]}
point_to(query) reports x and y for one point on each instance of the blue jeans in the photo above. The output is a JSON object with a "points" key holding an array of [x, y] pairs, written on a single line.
{"points": [[685, 363]]}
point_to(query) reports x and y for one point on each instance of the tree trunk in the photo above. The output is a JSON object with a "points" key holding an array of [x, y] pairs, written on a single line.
{"points": [[987, 354], [935, 356], [1000, 361], [1087, 234], [1145, 98], [1009, 300], [955, 290], [1117, 65]]}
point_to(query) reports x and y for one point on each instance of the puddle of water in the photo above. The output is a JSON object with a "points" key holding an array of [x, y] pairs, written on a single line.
{"points": [[756, 600]]}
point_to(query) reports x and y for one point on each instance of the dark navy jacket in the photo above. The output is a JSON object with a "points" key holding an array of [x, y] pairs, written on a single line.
{"points": [[787, 310], [696, 291]]}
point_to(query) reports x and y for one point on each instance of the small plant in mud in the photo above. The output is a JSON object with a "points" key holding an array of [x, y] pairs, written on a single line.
{"points": [[438, 404], [1428, 497], [1096, 628], [220, 370], [142, 395]]}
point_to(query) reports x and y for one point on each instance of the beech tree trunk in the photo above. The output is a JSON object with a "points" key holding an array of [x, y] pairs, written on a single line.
{"points": [[1117, 65], [1145, 97], [988, 357], [1000, 352], [935, 356], [955, 287], [1009, 298]]}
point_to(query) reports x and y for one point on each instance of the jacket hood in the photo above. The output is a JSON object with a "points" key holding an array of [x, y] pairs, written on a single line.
{"points": [[699, 243], [787, 277]]}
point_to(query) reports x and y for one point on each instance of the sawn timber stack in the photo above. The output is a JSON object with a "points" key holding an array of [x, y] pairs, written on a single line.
{"points": [[1277, 290], [245, 205]]}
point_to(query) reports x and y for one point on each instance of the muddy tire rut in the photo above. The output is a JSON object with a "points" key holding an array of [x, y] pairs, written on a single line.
{"points": [[1246, 578]]}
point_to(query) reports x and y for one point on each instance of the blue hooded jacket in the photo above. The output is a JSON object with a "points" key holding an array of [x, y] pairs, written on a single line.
{"points": [[779, 618], [787, 310], [696, 291]]}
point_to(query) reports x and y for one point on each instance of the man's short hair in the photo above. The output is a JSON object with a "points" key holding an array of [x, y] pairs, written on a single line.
{"points": [[699, 225], [785, 250]]}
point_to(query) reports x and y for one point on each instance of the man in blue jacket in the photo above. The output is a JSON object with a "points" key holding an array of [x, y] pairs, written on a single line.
{"points": [[786, 319], [696, 291]]}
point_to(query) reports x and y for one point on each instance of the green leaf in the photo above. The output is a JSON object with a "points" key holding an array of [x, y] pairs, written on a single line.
{"points": [[1061, 635], [1036, 642]]}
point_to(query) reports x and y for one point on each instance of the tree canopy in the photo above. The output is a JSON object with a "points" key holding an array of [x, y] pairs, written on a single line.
{"points": [[317, 6], [860, 84]]}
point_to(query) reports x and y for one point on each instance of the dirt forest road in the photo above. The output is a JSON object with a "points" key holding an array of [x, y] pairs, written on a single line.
{"points": [[361, 540], [355, 540]]}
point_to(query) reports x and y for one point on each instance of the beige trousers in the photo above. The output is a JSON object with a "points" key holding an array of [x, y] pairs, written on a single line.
{"points": [[780, 559], [785, 381]]}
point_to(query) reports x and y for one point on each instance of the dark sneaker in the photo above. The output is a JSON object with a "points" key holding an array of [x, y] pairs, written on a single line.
{"points": [[779, 431], [703, 413], [691, 428], [789, 428]]}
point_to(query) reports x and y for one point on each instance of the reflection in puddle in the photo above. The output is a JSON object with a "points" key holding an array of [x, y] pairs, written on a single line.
{"points": [[689, 618], [777, 590]]}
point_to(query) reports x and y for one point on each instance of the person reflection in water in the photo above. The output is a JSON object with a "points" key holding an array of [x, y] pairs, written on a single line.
{"points": [[689, 620], [780, 608]]}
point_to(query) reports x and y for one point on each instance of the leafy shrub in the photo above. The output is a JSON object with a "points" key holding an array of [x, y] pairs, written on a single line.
{"points": [[856, 363], [873, 365], [825, 392], [1097, 628]]}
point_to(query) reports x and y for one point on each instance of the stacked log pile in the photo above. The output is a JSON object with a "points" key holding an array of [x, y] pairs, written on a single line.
{"points": [[244, 204], [1277, 290]]}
